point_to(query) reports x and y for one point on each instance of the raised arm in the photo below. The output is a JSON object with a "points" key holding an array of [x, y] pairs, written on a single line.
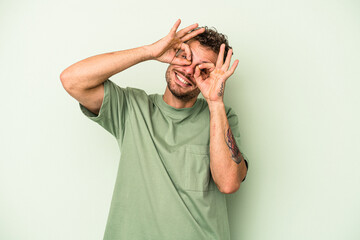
{"points": [[84, 80], [227, 164]]}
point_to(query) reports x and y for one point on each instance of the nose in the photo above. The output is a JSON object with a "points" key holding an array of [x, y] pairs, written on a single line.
{"points": [[189, 70]]}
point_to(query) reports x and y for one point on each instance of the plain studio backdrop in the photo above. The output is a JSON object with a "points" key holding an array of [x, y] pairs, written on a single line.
{"points": [[296, 92]]}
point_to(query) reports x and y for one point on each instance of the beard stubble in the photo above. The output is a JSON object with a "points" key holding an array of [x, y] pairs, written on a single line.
{"points": [[187, 96]]}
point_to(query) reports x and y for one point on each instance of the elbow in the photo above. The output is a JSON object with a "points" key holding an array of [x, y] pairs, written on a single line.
{"points": [[229, 189], [65, 80]]}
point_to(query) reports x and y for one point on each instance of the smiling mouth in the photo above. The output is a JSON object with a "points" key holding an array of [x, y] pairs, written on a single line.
{"points": [[182, 79]]}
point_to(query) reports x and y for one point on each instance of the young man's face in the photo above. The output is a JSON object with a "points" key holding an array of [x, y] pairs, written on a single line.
{"points": [[180, 78]]}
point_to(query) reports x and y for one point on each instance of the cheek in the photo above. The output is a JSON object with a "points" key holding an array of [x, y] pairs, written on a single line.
{"points": [[169, 70], [167, 75]]}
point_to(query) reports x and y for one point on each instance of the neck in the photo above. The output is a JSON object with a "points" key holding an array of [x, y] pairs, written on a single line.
{"points": [[175, 102]]}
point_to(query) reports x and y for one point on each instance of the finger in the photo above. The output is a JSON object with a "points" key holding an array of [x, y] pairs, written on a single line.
{"points": [[175, 27], [220, 58], [227, 60], [187, 50], [184, 31], [233, 67], [192, 34], [209, 66], [197, 76], [197, 72]]}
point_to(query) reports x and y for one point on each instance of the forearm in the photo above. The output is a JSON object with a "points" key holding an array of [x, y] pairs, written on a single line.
{"points": [[93, 71], [226, 161]]}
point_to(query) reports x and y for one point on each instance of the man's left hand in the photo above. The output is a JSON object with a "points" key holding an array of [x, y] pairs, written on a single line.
{"points": [[211, 78]]}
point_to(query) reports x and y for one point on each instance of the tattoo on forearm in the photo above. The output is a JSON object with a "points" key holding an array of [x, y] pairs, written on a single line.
{"points": [[221, 92], [230, 142]]}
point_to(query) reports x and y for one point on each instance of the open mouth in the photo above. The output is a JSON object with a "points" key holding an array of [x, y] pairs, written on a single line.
{"points": [[182, 79]]}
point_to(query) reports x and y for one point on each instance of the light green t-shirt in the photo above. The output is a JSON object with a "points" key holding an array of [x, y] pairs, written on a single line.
{"points": [[164, 189]]}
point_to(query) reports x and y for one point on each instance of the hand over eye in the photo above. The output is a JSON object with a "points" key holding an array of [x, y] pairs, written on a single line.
{"points": [[167, 49], [212, 85]]}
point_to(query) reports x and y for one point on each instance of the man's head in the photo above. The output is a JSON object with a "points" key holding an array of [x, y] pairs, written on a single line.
{"points": [[204, 48], [212, 39]]}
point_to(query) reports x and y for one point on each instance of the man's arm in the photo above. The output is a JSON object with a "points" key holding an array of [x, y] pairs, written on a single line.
{"points": [[84, 80], [227, 164]]}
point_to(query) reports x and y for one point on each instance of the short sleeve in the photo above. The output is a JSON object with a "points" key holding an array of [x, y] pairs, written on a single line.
{"points": [[234, 125], [112, 114]]}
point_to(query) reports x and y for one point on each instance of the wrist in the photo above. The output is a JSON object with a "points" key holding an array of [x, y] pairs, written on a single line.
{"points": [[148, 53], [216, 105]]}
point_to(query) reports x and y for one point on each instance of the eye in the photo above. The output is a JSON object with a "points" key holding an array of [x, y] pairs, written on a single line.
{"points": [[183, 56], [205, 70]]}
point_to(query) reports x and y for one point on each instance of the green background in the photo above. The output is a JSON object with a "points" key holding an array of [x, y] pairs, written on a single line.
{"points": [[296, 91]]}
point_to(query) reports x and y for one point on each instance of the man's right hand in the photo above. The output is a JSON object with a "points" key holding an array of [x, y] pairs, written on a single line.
{"points": [[166, 48]]}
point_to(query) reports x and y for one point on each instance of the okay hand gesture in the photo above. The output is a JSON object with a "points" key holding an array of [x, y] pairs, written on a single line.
{"points": [[212, 85], [166, 48]]}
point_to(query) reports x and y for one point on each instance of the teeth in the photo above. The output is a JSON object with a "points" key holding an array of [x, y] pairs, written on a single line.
{"points": [[182, 80]]}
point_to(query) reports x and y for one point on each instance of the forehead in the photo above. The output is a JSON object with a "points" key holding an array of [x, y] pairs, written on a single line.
{"points": [[201, 53]]}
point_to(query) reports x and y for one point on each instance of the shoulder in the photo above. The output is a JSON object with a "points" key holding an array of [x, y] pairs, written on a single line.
{"points": [[138, 97], [132, 97], [136, 91]]}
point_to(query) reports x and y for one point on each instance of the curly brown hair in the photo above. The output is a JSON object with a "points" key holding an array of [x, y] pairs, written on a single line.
{"points": [[212, 39]]}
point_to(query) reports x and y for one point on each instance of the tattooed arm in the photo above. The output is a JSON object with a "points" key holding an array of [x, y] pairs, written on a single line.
{"points": [[230, 142], [227, 164]]}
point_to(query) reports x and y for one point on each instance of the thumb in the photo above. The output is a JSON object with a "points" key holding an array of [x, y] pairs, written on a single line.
{"points": [[197, 76]]}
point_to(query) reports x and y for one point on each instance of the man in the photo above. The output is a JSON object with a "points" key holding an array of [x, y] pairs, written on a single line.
{"points": [[179, 156]]}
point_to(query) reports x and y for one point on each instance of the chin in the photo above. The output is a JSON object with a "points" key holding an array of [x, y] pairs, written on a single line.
{"points": [[177, 91]]}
